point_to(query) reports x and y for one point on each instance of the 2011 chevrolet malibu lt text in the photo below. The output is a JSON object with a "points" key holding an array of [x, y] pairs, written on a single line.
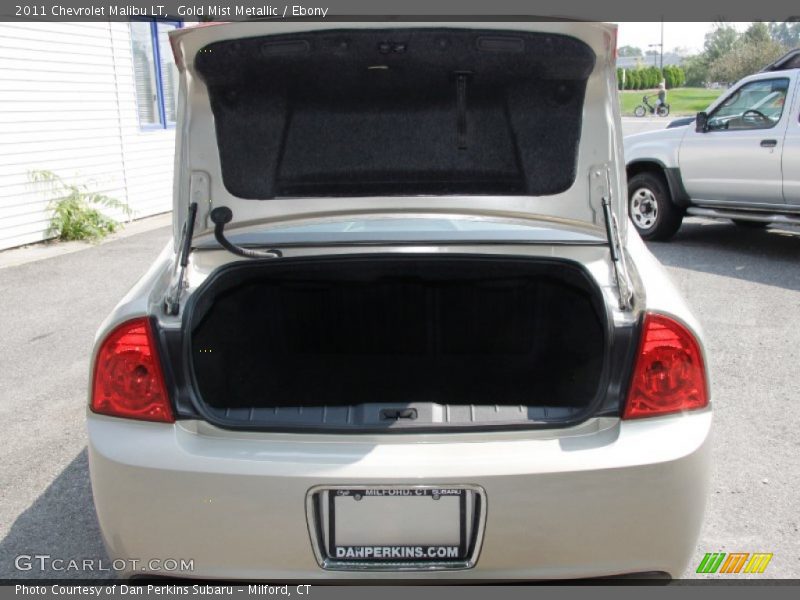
{"points": [[404, 328]]}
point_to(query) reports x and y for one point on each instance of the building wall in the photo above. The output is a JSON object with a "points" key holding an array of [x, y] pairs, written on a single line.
{"points": [[68, 105], [633, 62]]}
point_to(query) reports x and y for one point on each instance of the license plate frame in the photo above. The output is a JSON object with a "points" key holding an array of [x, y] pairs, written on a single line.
{"points": [[342, 547]]}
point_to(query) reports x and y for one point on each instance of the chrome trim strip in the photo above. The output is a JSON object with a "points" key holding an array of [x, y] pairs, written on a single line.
{"points": [[314, 522]]}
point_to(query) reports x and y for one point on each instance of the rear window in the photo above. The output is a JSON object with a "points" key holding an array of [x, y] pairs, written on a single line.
{"points": [[397, 112]]}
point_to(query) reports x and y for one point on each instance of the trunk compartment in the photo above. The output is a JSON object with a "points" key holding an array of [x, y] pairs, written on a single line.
{"points": [[395, 341]]}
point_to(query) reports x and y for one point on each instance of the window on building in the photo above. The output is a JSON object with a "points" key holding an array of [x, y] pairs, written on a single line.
{"points": [[155, 73]]}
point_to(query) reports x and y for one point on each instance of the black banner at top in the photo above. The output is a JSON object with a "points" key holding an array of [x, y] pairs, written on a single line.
{"points": [[415, 10]]}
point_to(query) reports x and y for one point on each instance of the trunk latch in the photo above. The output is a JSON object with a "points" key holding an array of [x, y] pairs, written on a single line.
{"points": [[395, 414]]}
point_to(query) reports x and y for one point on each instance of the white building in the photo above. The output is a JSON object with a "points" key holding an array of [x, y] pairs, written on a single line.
{"points": [[651, 60], [92, 102]]}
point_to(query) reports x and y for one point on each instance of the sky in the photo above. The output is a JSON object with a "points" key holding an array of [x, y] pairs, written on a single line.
{"points": [[687, 35]]}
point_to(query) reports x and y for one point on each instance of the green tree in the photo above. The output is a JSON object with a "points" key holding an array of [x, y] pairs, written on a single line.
{"points": [[644, 78], [656, 76], [755, 49], [719, 42], [629, 77], [786, 33], [669, 76], [744, 59], [647, 76], [633, 75], [681, 51], [695, 70], [681, 77], [757, 33], [629, 51]]}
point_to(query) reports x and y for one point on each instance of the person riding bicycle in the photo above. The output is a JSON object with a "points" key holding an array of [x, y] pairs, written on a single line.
{"points": [[659, 106], [662, 97]]}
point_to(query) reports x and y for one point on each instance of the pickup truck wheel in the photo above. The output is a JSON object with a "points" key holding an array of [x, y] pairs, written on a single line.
{"points": [[651, 209]]}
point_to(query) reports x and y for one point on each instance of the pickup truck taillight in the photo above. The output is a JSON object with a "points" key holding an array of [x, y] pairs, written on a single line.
{"points": [[128, 380], [669, 375]]}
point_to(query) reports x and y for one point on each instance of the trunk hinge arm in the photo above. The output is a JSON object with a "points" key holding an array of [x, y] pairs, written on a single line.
{"points": [[177, 283], [624, 285]]}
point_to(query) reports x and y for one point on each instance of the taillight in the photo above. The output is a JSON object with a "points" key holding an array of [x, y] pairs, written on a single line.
{"points": [[128, 381], [669, 375]]}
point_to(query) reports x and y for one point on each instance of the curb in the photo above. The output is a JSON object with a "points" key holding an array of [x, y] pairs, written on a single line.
{"points": [[14, 257]]}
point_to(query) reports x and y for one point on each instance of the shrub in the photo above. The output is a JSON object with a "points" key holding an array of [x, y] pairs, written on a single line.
{"points": [[629, 79], [636, 84], [73, 207], [654, 77]]}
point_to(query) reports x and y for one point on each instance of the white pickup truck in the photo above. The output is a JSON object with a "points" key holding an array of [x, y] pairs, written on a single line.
{"points": [[739, 159]]}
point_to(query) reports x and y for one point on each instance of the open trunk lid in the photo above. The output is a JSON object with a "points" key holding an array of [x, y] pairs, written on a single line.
{"points": [[284, 122]]}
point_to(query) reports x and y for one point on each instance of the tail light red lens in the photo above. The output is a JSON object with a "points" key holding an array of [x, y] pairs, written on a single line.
{"points": [[128, 380], [669, 375]]}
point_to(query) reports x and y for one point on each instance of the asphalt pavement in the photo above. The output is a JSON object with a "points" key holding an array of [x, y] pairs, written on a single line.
{"points": [[50, 310], [743, 284], [631, 125]]}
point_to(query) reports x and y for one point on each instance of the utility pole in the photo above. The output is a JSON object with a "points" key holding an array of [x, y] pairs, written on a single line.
{"points": [[660, 48], [656, 54]]}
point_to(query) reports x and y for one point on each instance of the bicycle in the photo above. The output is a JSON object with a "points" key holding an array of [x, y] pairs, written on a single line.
{"points": [[645, 107]]}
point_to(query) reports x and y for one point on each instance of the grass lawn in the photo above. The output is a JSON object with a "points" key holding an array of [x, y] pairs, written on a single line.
{"points": [[682, 101]]}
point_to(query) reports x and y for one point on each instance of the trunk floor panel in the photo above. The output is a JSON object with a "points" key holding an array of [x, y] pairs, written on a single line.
{"points": [[314, 380], [324, 335]]}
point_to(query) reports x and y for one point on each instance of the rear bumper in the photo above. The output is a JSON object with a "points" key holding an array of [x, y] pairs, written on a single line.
{"points": [[615, 498]]}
